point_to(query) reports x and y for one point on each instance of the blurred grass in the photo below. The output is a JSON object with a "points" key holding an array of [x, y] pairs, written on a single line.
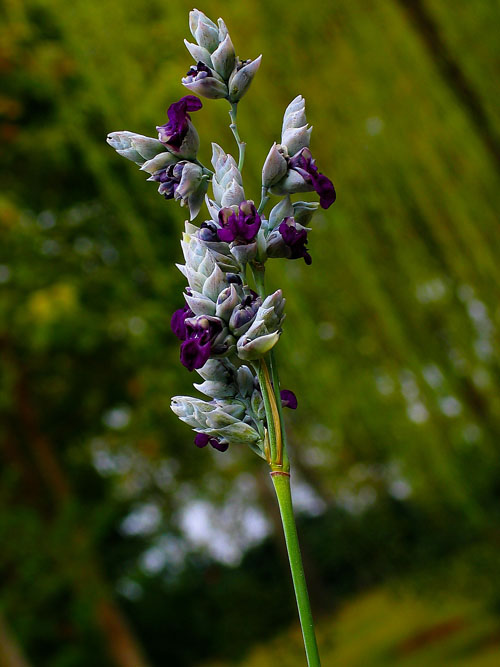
{"points": [[386, 627]]}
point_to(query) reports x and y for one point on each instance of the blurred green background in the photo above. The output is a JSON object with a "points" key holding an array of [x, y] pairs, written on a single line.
{"points": [[121, 543]]}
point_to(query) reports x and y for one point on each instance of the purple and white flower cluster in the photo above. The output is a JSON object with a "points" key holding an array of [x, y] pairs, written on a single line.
{"points": [[228, 325]]}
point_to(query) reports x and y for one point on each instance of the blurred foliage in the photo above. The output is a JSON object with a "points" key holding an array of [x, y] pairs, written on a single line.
{"points": [[393, 627], [391, 339]]}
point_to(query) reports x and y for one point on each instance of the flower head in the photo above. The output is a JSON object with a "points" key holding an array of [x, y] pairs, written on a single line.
{"points": [[241, 226], [179, 127]]}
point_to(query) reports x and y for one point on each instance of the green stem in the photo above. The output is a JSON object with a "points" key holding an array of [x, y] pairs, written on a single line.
{"points": [[276, 385], [281, 483], [264, 199], [234, 130], [270, 407]]}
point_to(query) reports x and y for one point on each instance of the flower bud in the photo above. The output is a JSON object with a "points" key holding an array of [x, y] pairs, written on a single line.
{"points": [[216, 389], [292, 183], [276, 247], [245, 379], [295, 114], [233, 195], [224, 58], [214, 284], [296, 138], [265, 331], [244, 315], [199, 53], [218, 370], [212, 206], [275, 166], [203, 80], [192, 188], [226, 182], [261, 245], [135, 147], [276, 302], [184, 182], [258, 404], [303, 211], [241, 78], [200, 304], [205, 32], [244, 253], [227, 301], [283, 209], [249, 349], [223, 32], [160, 161]]}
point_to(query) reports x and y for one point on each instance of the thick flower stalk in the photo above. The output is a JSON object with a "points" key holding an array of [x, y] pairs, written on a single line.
{"points": [[227, 323]]}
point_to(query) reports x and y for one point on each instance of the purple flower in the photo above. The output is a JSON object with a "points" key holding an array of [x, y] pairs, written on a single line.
{"points": [[295, 239], [178, 322], [202, 80], [208, 232], [304, 164], [184, 182], [288, 399], [244, 314], [173, 133], [201, 334], [202, 440], [241, 226], [169, 179]]}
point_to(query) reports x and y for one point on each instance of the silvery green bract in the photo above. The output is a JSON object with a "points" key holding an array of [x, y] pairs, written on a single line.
{"points": [[227, 183], [265, 331], [135, 147], [241, 78]]}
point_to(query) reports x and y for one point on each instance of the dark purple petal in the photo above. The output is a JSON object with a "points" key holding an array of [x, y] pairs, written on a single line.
{"points": [[217, 444], [178, 322], [324, 187], [192, 102], [173, 133], [304, 164], [288, 399], [194, 353], [201, 440], [226, 235], [295, 239], [200, 334], [242, 226], [208, 232]]}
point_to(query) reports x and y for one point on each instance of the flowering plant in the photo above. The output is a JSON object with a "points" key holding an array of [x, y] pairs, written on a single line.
{"points": [[228, 328]]}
